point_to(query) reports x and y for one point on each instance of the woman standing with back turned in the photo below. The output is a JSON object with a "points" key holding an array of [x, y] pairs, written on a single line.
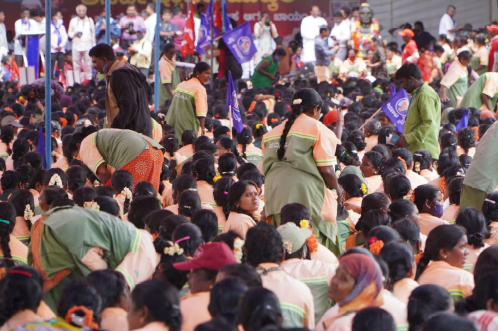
{"points": [[302, 148], [189, 105]]}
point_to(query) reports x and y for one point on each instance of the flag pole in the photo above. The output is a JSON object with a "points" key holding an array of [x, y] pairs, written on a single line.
{"points": [[378, 110], [108, 22], [231, 120], [156, 57], [48, 87], [212, 46]]}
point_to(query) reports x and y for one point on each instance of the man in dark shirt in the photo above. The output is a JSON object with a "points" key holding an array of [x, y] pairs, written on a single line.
{"points": [[127, 95], [422, 37]]}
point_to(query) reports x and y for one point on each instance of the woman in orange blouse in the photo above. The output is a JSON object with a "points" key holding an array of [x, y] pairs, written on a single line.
{"points": [[154, 307], [221, 188], [204, 172], [370, 167], [401, 263], [422, 165], [428, 201], [490, 211], [427, 300], [444, 258], [474, 223], [243, 202], [114, 291]]}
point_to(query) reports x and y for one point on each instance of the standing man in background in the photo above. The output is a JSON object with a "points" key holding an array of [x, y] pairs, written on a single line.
{"points": [[150, 22], [323, 55], [341, 33], [58, 42], [167, 30], [82, 32], [22, 25], [179, 21], [265, 33], [129, 25], [141, 53], [4, 44], [310, 29], [447, 25], [493, 51], [100, 29]]}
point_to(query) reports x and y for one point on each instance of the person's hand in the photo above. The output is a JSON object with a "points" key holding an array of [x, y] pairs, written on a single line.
{"points": [[272, 77], [58, 48], [340, 115], [444, 98], [391, 31], [401, 143], [340, 194], [102, 27], [179, 33], [127, 26]]}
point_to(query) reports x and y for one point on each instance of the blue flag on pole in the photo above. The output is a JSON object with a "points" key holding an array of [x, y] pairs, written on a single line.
{"points": [[233, 105], [464, 121], [240, 43], [41, 146], [396, 108]]}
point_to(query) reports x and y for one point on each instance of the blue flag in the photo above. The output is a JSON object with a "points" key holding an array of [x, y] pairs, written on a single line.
{"points": [[41, 146], [240, 43], [464, 121], [396, 108], [233, 105]]}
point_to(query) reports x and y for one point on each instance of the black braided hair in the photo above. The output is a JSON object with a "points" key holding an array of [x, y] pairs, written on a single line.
{"points": [[309, 100], [170, 144], [227, 143], [244, 138], [20, 199], [7, 223], [6, 136]]}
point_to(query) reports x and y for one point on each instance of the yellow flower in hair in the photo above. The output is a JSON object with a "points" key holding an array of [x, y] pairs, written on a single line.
{"points": [[304, 224], [363, 188], [259, 126], [215, 179]]}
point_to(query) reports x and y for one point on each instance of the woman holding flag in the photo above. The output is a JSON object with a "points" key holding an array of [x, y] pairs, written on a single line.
{"points": [[189, 105]]}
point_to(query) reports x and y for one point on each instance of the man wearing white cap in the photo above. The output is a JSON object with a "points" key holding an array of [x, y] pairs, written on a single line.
{"points": [[310, 29]]}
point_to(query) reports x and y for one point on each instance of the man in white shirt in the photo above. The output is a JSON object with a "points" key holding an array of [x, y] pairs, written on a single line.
{"points": [[150, 22], [58, 42], [141, 53], [341, 33], [447, 25], [82, 31], [23, 24], [310, 29], [4, 44]]}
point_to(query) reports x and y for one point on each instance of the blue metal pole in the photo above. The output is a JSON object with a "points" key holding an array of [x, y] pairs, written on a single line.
{"points": [[108, 22], [48, 88], [223, 23], [156, 57]]}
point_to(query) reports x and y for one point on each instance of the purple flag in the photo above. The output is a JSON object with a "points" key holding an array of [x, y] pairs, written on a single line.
{"points": [[240, 43], [464, 121], [396, 108], [233, 105]]}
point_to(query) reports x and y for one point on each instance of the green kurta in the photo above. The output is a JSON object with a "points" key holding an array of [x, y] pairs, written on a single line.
{"points": [[458, 90], [473, 96], [476, 61], [296, 178], [189, 103], [423, 121], [68, 234], [118, 147], [163, 93], [259, 80]]}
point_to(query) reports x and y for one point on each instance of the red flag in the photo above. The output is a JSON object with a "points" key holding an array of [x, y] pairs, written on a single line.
{"points": [[189, 33], [217, 16]]}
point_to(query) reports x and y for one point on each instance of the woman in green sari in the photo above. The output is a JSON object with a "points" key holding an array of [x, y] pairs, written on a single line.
{"points": [[299, 160], [483, 94], [189, 105], [70, 242], [455, 83]]}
